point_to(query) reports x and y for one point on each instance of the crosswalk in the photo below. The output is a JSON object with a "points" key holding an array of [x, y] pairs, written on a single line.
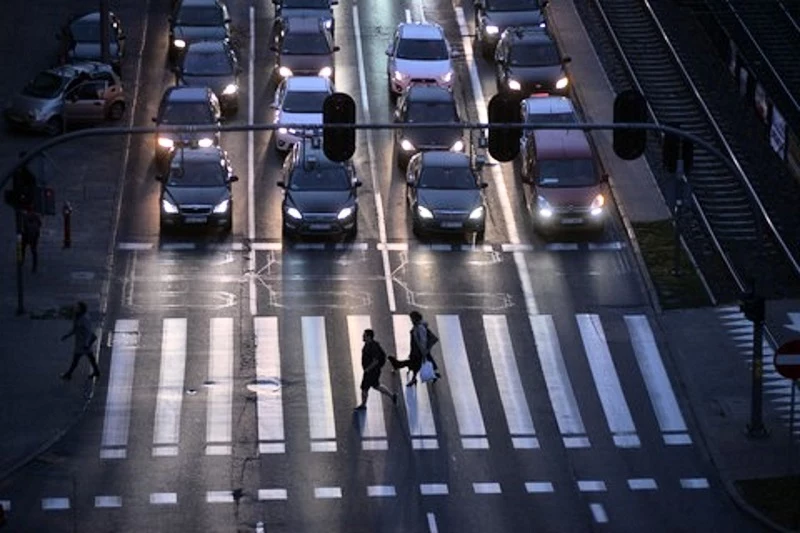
{"points": [[468, 353]]}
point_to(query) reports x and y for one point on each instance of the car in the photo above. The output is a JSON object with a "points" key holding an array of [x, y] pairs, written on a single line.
{"points": [[305, 48], [299, 100], [542, 108], [212, 64], [419, 54], [186, 106], [196, 189], [492, 17], [81, 40], [318, 9], [86, 92], [197, 20], [426, 104], [320, 196], [444, 192], [528, 61]]}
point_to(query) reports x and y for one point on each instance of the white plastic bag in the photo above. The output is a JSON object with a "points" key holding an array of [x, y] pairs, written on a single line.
{"points": [[426, 373]]}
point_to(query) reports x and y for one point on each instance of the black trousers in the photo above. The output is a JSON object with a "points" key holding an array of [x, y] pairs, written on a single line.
{"points": [[76, 357], [33, 243]]}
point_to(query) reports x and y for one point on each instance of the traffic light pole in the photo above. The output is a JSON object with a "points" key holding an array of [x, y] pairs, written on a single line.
{"points": [[20, 285], [756, 428]]}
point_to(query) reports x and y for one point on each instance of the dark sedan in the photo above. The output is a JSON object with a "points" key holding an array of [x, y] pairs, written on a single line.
{"points": [[197, 20], [81, 40], [492, 17], [421, 104], [212, 64], [528, 61]]}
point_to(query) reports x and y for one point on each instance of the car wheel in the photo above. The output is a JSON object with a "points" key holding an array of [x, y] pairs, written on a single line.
{"points": [[54, 126], [116, 111], [480, 235], [352, 233], [228, 227]]}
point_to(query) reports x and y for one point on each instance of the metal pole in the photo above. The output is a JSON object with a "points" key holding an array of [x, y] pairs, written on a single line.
{"points": [[676, 214], [756, 427], [20, 285], [791, 429], [105, 52]]}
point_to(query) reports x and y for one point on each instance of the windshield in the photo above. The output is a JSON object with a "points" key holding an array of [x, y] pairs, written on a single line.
{"points": [[306, 4], [304, 102], [196, 174], [431, 112], [320, 179], [511, 5], [305, 43], [186, 113], [422, 49], [44, 85], [216, 63], [553, 118], [534, 55], [446, 178], [200, 16], [566, 173]]}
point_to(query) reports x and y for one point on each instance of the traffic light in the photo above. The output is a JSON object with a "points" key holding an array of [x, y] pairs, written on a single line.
{"points": [[504, 142], [753, 307], [629, 107], [339, 144]]}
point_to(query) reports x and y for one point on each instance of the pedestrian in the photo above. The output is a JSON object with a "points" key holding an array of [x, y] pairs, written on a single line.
{"points": [[31, 229], [422, 340], [84, 339], [373, 357]]}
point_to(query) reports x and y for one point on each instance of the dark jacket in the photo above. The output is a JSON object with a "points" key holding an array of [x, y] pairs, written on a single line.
{"points": [[372, 351]]}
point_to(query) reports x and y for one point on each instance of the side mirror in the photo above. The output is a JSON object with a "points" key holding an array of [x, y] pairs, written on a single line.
{"points": [[604, 177], [276, 2], [227, 20], [389, 50], [566, 59], [334, 2], [480, 161], [357, 183], [159, 177], [336, 48], [233, 179], [544, 3], [410, 179], [483, 185], [281, 184], [155, 120], [273, 48]]}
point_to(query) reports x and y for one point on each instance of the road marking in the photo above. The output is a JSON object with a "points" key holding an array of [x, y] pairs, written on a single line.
{"points": [[538, 487], [55, 504], [271, 494], [506, 372], [163, 498], [372, 425], [408, 16], [508, 247], [219, 406], [107, 502], [381, 491], [321, 422], [169, 398], [665, 404], [559, 387], [135, 246], [561, 246], [612, 399], [606, 246], [433, 489], [116, 423], [486, 488], [178, 246], [269, 388], [694, 483], [327, 492], [251, 196], [219, 496], [432, 527], [642, 484], [418, 405], [599, 513], [591, 486]]}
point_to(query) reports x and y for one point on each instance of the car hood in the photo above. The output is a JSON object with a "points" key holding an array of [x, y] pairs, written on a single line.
{"points": [[200, 33], [215, 83], [549, 74], [432, 138], [197, 195], [319, 201], [450, 200], [504, 19], [92, 51], [23, 105], [567, 196], [324, 14], [301, 118], [306, 62], [423, 69]]}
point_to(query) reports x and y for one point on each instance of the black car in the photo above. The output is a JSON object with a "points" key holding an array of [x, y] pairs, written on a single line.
{"points": [[432, 105], [317, 9], [197, 20], [304, 47], [445, 194], [81, 40], [186, 106], [212, 64], [320, 195], [528, 61], [196, 191], [492, 17]]}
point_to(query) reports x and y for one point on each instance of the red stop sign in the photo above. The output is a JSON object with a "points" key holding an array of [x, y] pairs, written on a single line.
{"points": [[787, 359]]}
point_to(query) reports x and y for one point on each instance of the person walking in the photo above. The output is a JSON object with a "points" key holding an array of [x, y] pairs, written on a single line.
{"points": [[422, 340], [373, 357], [84, 338], [31, 229]]}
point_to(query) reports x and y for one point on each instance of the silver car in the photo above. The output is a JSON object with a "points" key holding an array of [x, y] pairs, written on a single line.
{"points": [[419, 54]]}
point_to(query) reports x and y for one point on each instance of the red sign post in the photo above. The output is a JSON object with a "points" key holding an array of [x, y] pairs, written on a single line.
{"points": [[787, 359]]}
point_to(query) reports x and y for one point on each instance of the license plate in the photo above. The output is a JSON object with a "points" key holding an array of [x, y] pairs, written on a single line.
{"points": [[196, 219], [319, 227], [574, 220], [452, 225]]}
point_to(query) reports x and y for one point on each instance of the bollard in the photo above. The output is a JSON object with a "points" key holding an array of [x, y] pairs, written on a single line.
{"points": [[67, 212]]}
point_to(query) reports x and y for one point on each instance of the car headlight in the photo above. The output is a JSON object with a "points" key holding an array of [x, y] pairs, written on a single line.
{"points": [[543, 207], [325, 72], [223, 206], [458, 146], [596, 208], [399, 76], [294, 213], [345, 213], [179, 43], [166, 142], [285, 72], [514, 85], [283, 131], [406, 145], [424, 212], [476, 214], [491, 29], [231, 88], [562, 82], [168, 207], [205, 142], [447, 76], [328, 24]]}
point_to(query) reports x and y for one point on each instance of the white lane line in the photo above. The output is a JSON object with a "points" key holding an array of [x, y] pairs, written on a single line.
{"points": [[506, 372], [508, 247], [251, 195], [665, 404], [694, 483], [219, 406], [264, 246], [418, 403], [116, 423], [269, 388], [327, 492], [362, 81], [598, 512], [642, 484], [55, 504], [433, 489], [271, 494], [561, 247], [591, 486], [219, 496], [538, 487], [462, 386], [432, 527], [135, 246], [163, 498], [381, 491], [169, 398], [322, 425], [612, 399], [372, 424], [408, 15], [487, 488], [556, 378], [107, 502], [178, 246]]}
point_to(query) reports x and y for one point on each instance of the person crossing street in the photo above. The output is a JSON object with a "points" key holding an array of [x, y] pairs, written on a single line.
{"points": [[84, 338], [373, 357]]}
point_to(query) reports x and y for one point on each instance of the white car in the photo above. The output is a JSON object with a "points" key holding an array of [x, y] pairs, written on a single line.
{"points": [[419, 54], [299, 100]]}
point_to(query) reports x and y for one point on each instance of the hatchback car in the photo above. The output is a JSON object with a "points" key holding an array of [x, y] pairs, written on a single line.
{"points": [[304, 47], [528, 61], [84, 92], [492, 17], [320, 195], [418, 54], [81, 40], [212, 64], [431, 105], [445, 194], [197, 20], [299, 100], [196, 190], [318, 9], [544, 108], [186, 106]]}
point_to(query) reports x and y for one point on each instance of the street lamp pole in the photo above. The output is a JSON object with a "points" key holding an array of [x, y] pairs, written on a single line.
{"points": [[105, 52]]}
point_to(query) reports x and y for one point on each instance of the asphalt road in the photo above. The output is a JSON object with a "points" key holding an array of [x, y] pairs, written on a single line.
{"points": [[232, 364]]}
